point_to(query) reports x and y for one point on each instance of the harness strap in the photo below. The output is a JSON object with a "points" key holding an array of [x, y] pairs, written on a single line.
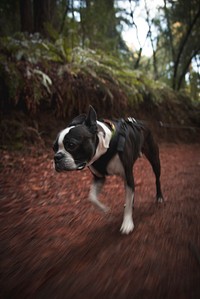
{"points": [[120, 130], [123, 131], [111, 125], [122, 136]]}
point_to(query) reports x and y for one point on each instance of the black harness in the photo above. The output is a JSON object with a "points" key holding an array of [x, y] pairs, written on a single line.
{"points": [[120, 130]]}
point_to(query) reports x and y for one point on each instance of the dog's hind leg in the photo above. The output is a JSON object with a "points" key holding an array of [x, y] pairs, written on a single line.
{"points": [[94, 192], [151, 151]]}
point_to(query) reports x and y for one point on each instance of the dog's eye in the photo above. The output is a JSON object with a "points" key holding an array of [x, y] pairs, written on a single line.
{"points": [[70, 145]]}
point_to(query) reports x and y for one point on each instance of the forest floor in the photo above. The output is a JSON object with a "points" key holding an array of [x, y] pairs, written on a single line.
{"points": [[54, 244]]}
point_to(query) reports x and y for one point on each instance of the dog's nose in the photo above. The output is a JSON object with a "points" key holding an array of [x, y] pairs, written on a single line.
{"points": [[58, 157]]}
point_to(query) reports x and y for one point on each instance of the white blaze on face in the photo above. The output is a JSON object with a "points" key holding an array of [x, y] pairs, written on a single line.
{"points": [[61, 137], [68, 160]]}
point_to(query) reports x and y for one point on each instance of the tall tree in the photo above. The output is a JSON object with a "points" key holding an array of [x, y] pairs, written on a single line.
{"points": [[9, 16], [41, 15], [150, 34], [179, 37], [26, 16], [185, 53], [99, 24]]}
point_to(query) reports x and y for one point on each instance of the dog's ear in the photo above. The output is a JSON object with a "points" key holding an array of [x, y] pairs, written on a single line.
{"points": [[78, 120], [91, 120]]}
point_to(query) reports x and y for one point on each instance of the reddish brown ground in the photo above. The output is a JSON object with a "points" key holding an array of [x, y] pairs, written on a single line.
{"points": [[54, 244]]}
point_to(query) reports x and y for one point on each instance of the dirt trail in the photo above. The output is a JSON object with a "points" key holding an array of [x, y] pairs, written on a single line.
{"points": [[54, 244]]}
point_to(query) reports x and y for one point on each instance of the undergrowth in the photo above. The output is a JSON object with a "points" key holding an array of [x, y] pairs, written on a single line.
{"points": [[38, 76], [36, 73]]}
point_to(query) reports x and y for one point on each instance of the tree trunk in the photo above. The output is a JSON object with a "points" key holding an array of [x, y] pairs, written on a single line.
{"points": [[138, 59], [64, 17], [169, 30], [185, 70], [42, 15], [149, 34], [181, 50], [26, 16]]}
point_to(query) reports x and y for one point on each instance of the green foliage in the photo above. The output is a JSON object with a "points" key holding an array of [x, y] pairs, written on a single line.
{"points": [[195, 86], [106, 69], [98, 25], [35, 78], [18, 68], [37, 74], [7, 73], [33, 48]]}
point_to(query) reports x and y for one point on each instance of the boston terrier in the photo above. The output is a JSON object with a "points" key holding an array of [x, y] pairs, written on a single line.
{"points": [[107, 148]]}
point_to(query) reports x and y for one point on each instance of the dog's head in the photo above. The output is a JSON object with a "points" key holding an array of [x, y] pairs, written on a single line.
{"points": [[76, 145]]}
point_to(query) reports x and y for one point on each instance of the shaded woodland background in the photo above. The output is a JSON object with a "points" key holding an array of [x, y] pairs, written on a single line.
{"points": [[57, 57]]}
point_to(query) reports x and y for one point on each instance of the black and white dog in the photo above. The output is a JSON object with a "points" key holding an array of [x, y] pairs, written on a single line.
{"points": [[107, 148]]}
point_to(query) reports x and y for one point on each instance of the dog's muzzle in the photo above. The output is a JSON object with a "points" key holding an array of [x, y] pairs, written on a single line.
{"points": [[58, 157], [65, 162]]}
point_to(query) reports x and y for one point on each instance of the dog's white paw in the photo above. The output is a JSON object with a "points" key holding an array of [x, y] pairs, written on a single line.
{"points": [[127, 226], [159, 199]]}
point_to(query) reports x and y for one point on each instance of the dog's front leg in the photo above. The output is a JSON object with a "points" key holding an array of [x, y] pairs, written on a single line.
{"points": [[94, 192], [127, 224]]}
